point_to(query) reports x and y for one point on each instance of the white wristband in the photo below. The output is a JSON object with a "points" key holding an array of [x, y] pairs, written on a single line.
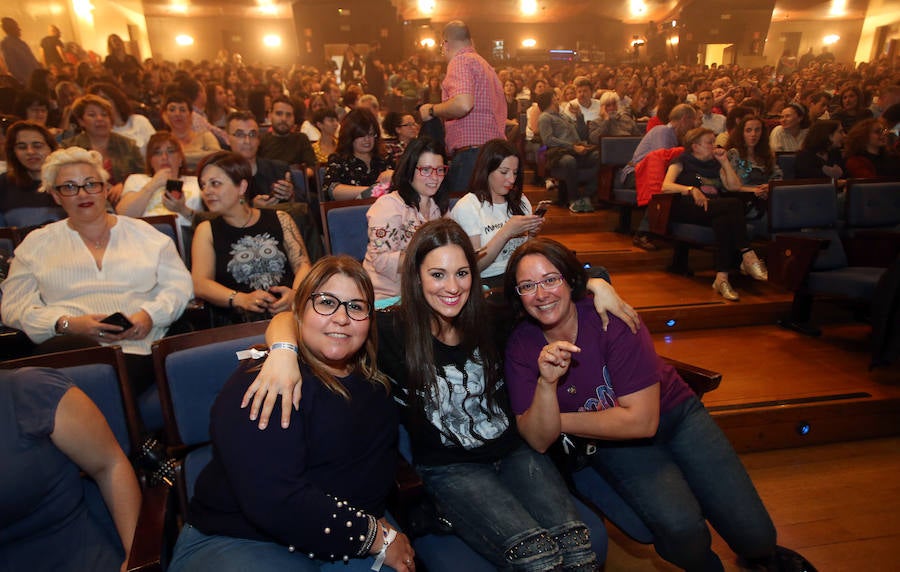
{"points": [[389, 537], [284, 346]]}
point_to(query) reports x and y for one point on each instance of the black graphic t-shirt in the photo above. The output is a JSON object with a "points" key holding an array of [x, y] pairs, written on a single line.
{"points": [[251, 258]]}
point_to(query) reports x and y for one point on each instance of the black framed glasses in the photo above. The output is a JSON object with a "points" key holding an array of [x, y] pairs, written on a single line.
{"points": [[326, 305], [427, 170], [72, 189], [245, 134], [528, 287]]}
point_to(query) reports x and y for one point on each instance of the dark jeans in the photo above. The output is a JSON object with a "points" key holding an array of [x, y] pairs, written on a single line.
{"points": [[726, 217], [516, 512], [685, 475], [461, 166], [573, 169]]}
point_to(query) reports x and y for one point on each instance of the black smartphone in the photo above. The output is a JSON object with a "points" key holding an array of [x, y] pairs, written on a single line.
{"points": [[541, 209], [174, 188], [118, 319]]}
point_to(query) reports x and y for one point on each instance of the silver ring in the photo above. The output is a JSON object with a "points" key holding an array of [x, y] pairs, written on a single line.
{"points": [[100, 334]]}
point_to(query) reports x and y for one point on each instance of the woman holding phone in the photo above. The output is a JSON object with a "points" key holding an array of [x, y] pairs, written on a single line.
{"points": [[165, 189], [495, 213]]}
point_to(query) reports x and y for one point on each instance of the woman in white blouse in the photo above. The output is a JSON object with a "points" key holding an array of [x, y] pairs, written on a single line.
{"points": [[495, 213], [68, 276]]}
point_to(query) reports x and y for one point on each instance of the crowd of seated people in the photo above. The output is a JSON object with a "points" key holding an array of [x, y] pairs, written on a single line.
{"points": [[311, 122]]}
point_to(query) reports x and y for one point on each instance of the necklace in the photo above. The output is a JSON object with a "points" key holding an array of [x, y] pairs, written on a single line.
{"points": [[99, 243], [249, 216]]}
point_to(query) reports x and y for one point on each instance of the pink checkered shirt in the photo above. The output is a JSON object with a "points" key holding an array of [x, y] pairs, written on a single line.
{"points": [[469, 73]]}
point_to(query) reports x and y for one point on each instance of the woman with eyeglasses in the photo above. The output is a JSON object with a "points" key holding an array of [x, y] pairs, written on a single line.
{"points": [[441, 350], [358, 166], [417, 198], [572, 378], [401, 128], [246, 262], [165, 189], [69, 276], [867, 154], [495, 213], [27, 146], [314, 493]]}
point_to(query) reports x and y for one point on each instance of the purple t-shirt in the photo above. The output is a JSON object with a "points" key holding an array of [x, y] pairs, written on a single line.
{"points": [[611, 364]]}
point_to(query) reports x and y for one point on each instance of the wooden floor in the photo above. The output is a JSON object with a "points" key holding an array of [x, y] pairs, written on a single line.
{"points": [[833, 492], [838, 505]]}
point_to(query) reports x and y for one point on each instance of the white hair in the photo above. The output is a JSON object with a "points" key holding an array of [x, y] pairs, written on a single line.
{"points": [[70, 156], [608, 98]]}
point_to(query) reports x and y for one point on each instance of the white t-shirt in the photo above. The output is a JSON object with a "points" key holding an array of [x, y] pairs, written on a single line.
{"points": [[485, 219], [191, 190], [139, 129], [589, 113]]}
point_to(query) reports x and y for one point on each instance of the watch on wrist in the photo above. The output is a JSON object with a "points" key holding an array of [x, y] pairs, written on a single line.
{"points": [[431, 114], [63, 325]]}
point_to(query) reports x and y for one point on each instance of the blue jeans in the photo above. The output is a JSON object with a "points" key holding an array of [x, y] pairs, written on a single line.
{"points": [[197, 552], [685, 475], [461, 166], [516, 512]]}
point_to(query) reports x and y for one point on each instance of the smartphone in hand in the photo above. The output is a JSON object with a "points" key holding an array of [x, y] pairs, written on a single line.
{"points": [[174, 188], [541, 209], [118, 319]]}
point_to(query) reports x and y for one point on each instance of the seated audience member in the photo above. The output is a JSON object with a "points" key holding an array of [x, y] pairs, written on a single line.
{"points": [[154, 193], [327, 125], [567, 149], [66, 94], [891, 120], [887, 96], [280, 142], [774, 106], [401, 128], [217, 107], [27, 146], [271, 183], [611, 122], [732, 120], [788, 136], [50, 432], [754, 163], [700, 176], [317, 102], [69, 275], [715, 122], [584, 104], [495, 213], [866, 151], [644, 104], [125, 122], [244, 513], [534, 111], [34, 107], [817, 103], [247, 262], [853, 108], [655, 442], [667, 102], [357, 166], [416, 198], [821, 154], [177, 114], [121, 156], [512, 110], [438, 343]]}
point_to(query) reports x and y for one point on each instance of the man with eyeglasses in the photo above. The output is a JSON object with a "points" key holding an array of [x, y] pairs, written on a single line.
{"points": [[473, 106], [271, 183]]}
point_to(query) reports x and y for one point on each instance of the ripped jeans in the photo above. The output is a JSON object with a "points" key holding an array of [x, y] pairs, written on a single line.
{"points": [[516, 512]]}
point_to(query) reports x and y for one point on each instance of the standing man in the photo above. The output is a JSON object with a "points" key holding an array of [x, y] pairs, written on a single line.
{"points": [[473, 106], [20, 61], [281, 142], [52, 49]]}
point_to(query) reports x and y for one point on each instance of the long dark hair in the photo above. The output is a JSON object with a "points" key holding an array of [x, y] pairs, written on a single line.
{"points": [[418, 317], [762, 152], [559, 256], [818, 138], [857, 139], [406, 170], [489, 158]]}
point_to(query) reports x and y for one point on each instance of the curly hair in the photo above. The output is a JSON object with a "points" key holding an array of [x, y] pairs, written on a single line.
{"points": [[70, 156]]}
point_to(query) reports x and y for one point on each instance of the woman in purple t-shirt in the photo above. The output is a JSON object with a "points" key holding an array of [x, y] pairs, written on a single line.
{"points": [[664, 454]]}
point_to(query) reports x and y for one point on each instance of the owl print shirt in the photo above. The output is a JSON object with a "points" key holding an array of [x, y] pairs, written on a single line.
{"points": [[251, 258]]}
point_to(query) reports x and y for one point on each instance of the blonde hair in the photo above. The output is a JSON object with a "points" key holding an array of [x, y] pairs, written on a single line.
{"points": [[70, 156]]}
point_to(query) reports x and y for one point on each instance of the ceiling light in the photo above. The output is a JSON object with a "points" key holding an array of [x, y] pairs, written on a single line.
{"points": [[830, 39], [272, 40], [638, 7], [184, 40], [528, 7], [427, 42], [426, 6], [529, 43]]}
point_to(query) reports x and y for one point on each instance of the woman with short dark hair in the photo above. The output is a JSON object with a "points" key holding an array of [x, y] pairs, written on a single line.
{"points": [[357, 166]]}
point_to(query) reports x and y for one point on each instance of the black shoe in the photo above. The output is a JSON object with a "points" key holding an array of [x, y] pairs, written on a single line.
{"points": [[787, 560], [641, 241]]}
